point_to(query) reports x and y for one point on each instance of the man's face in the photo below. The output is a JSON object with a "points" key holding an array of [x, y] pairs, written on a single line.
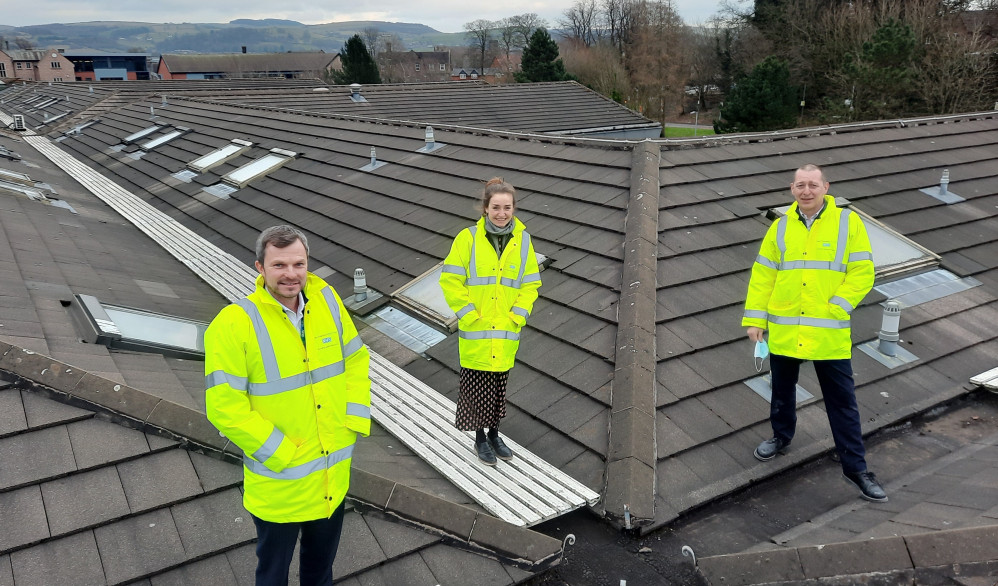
{"points": [[809, 189], [284, 271]]}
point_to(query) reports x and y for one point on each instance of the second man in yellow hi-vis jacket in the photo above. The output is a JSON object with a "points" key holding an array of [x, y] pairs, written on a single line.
{"points": [[814, 267], [490, 279], [287, 382]]}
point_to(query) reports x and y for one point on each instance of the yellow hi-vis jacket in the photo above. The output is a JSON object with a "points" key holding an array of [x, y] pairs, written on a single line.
{"points": [[293, 408], [491, 296], [805, 283]]}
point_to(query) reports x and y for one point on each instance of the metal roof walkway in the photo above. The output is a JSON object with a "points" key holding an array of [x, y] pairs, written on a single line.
{"points": [[524, 491]]}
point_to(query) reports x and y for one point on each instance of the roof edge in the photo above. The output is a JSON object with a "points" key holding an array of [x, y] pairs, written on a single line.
{"points": [[137, 409]]}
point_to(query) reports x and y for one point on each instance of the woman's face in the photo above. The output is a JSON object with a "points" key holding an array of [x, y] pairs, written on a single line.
{"points": [[500, 210]]}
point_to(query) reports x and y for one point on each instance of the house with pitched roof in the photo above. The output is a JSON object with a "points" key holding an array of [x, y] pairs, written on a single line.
{"points": [[634, 376], [35, 65]]}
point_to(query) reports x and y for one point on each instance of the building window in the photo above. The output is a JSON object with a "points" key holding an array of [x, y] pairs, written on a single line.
{"points": [[417, 67], [57, 79], [17, 65], [464, 75], [3, 69], [56, 65], [442, 67], [474, 75], [128, 328]]}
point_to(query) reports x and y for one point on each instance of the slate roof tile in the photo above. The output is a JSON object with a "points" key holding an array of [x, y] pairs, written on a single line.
{"points": [[52, 455], [738, 405], [710, 463], [403, 571], [397, 540], [23, 520], [678, 380], [159, 479], [97, 442], [217, 567], [81, 562], [571, 412], [696, 419], [12, 416], [448, 567], [216, 521], [670, 438], [137, 546], [555, 448], [84, 500]]}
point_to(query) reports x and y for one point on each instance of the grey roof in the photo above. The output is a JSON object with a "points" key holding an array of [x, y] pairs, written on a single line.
{"points": [[124, 433], [678, 428], [565, 108], [242, 63]]}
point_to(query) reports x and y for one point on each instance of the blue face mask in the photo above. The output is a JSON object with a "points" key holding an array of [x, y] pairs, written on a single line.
{"points": [[761, 352]]}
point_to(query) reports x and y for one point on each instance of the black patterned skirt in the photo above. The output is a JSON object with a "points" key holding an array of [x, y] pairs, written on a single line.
{"points": [[483, 399]]}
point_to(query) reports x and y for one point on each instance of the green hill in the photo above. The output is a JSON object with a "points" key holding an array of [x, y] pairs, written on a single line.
{"points": [[258, 36]]}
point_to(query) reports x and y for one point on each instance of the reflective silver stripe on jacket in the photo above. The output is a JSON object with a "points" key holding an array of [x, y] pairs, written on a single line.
{"points": [[221, 377], [269, 447], [838, 265], [454, 269], [302, 470], [275, 383], [857, 256], [816, 322], [490, 334], [520, 312], [358, 410], [756, 314], [766, 262], [465, 310], [841, 303], [474, 279], [267, 353]]}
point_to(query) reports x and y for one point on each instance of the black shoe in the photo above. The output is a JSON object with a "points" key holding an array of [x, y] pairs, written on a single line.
{"points": [[485, 453], [768, 449], [867, 483], [500, 448]]}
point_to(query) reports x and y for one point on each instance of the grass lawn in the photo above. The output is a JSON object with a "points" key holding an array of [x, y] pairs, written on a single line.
{"points": [[673, 132]]}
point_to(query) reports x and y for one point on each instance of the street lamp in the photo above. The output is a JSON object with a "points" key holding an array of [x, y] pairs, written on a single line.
{"points": [[696, 120]]}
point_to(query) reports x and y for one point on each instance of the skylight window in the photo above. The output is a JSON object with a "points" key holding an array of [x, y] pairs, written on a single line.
{"points": [[161, 140], [128, 328], [140, 134], [219, 156], [892, 252], [262, 166]]}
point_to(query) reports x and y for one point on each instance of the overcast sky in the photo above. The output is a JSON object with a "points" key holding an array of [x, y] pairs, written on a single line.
{"points": [[444, 15]]}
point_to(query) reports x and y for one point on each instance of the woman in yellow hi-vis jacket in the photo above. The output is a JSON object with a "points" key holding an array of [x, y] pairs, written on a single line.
{"points": [[490, 280]]}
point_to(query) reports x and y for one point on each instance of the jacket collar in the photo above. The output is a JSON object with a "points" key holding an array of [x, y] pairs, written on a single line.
{"points": [[795, 210], [518, 226]]}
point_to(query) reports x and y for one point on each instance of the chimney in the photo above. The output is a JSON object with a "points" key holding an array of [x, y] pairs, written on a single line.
{"points": [[244, 49]]}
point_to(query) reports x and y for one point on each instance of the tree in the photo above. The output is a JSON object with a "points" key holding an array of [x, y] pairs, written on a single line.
{"points": [[24, 43], [358, 65], [582, 22], [370, 35], [762, 100], [479, 34], [599, 68], [540, 60], [525, 24], [655, 60], [883, 73]]}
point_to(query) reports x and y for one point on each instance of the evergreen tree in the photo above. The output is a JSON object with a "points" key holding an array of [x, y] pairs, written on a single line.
{"points": [[358, 65], [540, 60], [884, 72], [761, 100]]}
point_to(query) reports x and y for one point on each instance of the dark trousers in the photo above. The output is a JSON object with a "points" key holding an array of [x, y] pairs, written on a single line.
{"points": [[276, 546], [835, 378]]}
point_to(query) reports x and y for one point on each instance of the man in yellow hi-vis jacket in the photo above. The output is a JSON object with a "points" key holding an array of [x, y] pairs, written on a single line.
{"points": [[814, 267], [287, 382]]}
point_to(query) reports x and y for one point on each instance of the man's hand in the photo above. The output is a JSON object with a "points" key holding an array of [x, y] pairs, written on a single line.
{"points": [[756, 334]]}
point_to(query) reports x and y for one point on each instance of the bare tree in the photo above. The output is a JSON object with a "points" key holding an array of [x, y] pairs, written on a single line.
{"points": [[654, 61], [370, 35], [24, 43], [599, 67], [479, 35], [582, 22], [617, 21], [527, 23], [390, 65], [508, 38]]}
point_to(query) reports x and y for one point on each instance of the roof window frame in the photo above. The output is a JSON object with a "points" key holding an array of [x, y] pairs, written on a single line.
{"points": [[216, 157], [248, 173]]}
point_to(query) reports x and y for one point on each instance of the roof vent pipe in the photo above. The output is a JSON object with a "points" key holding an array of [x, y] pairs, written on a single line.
{"points": [[359, 285], [888, 333], [374, 158], [91, 89], [355, 89], [164, 104], [429, 137], [944, 182]]}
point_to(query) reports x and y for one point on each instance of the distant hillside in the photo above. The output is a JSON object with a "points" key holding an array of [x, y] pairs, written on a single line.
{"points": [[258, 36]]}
